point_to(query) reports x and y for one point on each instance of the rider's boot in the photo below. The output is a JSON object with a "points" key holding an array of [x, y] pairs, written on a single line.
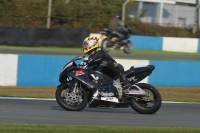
{"points": [[126, 87]]}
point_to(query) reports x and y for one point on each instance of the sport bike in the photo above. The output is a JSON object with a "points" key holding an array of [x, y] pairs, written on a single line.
{"points": [[108, 40], [98, 87]]}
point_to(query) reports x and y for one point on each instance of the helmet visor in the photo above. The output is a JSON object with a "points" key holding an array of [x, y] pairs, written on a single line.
{"points": [[86, 45]]}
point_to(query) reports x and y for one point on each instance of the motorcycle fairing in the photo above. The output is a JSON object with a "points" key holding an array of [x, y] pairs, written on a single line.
{"points": [[138, 74], [70, 85], [110, 99], [104, 83]]}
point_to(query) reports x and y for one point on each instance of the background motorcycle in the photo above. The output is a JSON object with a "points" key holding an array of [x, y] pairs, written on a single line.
{"points": [[108, 40], [98, 87]]}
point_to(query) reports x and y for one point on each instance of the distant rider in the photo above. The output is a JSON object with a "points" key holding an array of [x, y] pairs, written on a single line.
{"points": [[117, 28], [99, 56]]}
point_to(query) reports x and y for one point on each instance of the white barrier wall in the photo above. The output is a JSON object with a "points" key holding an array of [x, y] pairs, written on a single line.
{"points": [[180, 44], [173, 44], [8, 69], [30, 70]]}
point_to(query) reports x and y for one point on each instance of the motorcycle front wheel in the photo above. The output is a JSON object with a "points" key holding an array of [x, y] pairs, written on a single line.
{"points": [[105, 44], [149, 103], [71, 101]]}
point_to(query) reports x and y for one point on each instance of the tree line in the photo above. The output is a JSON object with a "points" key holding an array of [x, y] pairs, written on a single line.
{"points": [[92, 14]]}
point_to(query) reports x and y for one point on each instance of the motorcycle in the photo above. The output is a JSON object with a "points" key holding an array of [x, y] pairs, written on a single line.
{"points": [[98, 87], [108, 40]]}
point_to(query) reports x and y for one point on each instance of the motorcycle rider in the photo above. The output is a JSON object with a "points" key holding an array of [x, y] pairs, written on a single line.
{"points": [[117, 28], [99, 56]]}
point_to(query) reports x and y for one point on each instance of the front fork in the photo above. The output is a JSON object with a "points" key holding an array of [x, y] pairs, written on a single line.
{"points": [[73, 87]]}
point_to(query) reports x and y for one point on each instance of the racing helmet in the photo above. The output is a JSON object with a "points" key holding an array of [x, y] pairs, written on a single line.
{"points": [[119, 16], [90, 43]]}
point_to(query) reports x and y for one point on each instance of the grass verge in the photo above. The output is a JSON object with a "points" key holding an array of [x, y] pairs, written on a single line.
{"points": [[147, 52], [179, 94], [17, 128]]}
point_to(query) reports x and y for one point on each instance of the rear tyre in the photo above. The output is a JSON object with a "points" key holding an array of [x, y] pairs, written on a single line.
{"points": [[71, 101], [128, 48], [147, 104]]}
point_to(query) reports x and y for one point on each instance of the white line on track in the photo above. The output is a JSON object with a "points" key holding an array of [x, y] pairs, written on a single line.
{"points": [[176, 102], [19, 98], [49, 99]]}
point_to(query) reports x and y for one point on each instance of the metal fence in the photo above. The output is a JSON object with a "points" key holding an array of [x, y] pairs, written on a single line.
{"points": [[92, 14]]}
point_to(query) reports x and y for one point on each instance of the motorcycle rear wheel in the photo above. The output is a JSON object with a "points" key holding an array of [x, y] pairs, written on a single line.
{"points": [[141, 105], [128, 48], [71, 101]]}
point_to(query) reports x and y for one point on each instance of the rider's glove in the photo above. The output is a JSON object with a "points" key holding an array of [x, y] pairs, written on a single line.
{"points": [[84, 63]]}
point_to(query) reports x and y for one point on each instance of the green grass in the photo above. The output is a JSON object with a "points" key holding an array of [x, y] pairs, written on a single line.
{"points": [[170, 55], [147, 52], [18, 128]]}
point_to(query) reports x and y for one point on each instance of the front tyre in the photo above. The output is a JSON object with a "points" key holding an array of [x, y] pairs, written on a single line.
{"points": [[148, 104], [71, 101], [105, 44]]}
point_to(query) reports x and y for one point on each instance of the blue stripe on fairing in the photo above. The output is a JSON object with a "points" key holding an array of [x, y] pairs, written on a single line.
{"points": [[146, 42], [175, 73], [39, 70]]}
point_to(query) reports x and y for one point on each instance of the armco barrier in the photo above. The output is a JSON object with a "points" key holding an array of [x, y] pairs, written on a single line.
{"points": [[174, 44], [30, 70]]}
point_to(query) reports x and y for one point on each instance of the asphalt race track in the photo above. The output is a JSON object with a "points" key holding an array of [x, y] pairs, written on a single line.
{"points": [[37, 111]]}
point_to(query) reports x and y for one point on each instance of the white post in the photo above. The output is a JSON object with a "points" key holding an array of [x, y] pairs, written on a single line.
{"points": [[123, 11], [49, 14], [196, 18], [161, 13], [140, 5]]}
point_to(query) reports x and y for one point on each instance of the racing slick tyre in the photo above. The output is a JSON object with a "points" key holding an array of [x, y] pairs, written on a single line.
{"points": [[128, 48], [149, 103], [71, 101]]}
